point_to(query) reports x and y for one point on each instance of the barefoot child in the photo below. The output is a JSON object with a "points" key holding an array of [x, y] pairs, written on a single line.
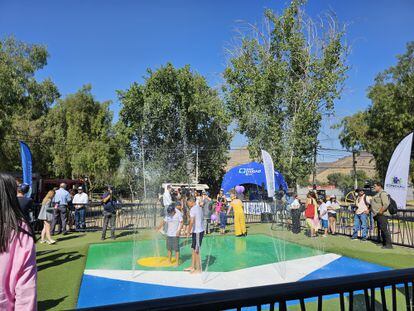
{"points": [[174, 221], [197, 229]]}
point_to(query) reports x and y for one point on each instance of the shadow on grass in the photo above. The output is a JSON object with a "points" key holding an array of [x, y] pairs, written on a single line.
{"points": [[57, 259], [124, 233], [70, 237], [46, 252], [50, 303]]}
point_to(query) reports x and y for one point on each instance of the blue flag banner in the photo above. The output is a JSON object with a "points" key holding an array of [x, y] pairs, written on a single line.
{"points": [[26, 156]]}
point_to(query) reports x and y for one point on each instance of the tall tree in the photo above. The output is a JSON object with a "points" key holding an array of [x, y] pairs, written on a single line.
{"points": [[82, 139], [389, 118], [23, 102], [281, 81], [172, 120]]}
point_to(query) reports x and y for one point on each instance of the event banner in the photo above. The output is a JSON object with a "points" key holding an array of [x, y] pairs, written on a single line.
{"points": [[256, 208], [396, 180], [270, 173], [26, 156]]}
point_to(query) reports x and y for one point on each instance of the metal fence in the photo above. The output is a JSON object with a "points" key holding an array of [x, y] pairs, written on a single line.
{"points": [[358, 292], [401, 225], [148, 215]]}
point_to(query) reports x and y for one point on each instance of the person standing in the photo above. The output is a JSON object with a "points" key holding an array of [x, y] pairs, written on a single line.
{"points": [[332, 206], [323, 214], [221, 205], [71, 211], [174, 221], [379, 207], [25, 203], [18, 270], [46, 214], [239, 218], [166, 197], [61, 201], [361, 216], [221, 195], [197, 233], [80, 200], [109, 213], [311, 213], [206, 211], [295, 211]]}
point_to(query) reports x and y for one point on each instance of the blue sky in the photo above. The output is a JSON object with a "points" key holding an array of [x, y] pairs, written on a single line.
{"points": [[110, 44]]}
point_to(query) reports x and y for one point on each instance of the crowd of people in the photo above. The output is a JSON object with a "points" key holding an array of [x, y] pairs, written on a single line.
{"points": [[215, 211], [64, 210], [188, 212], [321, 214]]}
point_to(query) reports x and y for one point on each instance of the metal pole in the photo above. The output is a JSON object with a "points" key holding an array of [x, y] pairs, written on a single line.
{"points": [[314, 163], [197, 165], [143, 167], [354, 162]]}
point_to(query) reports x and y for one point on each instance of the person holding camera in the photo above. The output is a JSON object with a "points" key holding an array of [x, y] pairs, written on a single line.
{"points": [[361, 216], [109, 213]]}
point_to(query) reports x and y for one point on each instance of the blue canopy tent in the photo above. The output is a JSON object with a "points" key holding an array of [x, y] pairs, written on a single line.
{"points": [[250, 173]]}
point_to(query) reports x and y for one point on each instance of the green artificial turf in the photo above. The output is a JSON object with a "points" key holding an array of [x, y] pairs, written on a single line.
{"points": [[60, 266], [217, 255]]}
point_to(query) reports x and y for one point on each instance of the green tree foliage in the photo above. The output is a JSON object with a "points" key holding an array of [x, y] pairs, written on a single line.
{"points": [[389, 118], [345, 182], [23, 102], [171, 116], [82, 138], [354, 127], [280, 83]]}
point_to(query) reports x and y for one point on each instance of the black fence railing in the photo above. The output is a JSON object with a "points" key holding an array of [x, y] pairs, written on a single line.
{"points": [[359, 292], [148, 215], [401, 225]]}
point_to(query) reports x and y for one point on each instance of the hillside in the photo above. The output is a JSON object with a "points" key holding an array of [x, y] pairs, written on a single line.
{"points": [[237, 157], [365, 162]]}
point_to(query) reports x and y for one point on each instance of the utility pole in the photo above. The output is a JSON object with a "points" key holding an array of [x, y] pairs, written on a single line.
{"points": [[315, 154], [143, 167], [196, 172], [354, 162]]}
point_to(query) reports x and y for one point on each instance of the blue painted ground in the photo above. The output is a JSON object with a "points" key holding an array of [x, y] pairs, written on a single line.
{"points": [[344, 266], [97, 291]]}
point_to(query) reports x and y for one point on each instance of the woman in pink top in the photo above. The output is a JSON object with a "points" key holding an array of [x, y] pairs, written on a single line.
{"points": [[17, 252]]}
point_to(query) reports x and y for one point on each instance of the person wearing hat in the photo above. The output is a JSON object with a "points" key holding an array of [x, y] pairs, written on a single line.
{"points": [[80, 200], [61, 201], [332, 206], [361, 215], [174, 222]]}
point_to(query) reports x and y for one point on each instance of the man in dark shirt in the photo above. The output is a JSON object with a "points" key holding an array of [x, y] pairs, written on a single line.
{"points": [[26, 204], [109, 213]]}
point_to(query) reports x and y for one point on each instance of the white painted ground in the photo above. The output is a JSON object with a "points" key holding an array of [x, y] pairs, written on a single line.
{"points": [[277, 273]]}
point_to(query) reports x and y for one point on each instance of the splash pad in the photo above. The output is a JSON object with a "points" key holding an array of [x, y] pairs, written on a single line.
{"points": [[156, 262]]}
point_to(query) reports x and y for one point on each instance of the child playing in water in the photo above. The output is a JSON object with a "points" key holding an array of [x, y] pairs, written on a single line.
{"points": [[196, 229], [174, 221]]}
